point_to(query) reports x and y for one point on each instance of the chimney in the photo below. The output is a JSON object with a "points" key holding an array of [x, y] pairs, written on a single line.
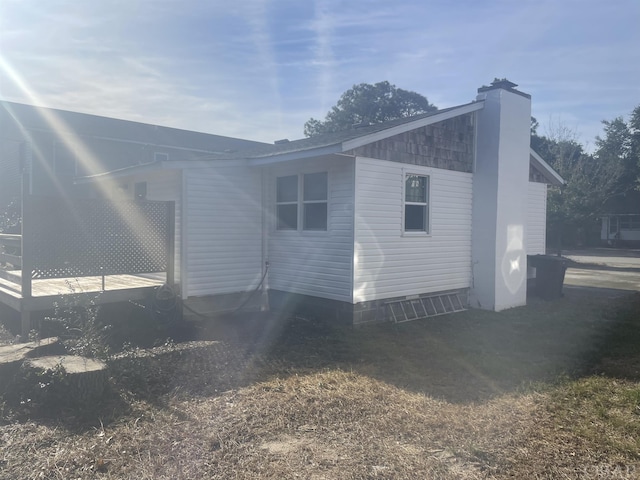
{"points": [[500, 186]]}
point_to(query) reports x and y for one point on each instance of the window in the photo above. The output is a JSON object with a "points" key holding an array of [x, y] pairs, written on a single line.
{"points": [[160, 157], [315, 201], [287, 202], [310, 193], [630, 222], [416, 203]]}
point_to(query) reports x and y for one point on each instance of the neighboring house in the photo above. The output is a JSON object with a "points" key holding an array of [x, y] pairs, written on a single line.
{"points": [[620, 229], [442, 205], [57, 146]]}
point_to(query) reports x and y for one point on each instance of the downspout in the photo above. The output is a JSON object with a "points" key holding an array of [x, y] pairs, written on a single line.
{"points": [[264, 299]]}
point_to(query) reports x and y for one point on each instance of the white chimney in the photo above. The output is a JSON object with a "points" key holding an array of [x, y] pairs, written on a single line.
{"points": [[500, 183]]}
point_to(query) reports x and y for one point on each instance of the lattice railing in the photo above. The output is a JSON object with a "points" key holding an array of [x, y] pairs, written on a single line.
{"points": [[65, 237]]}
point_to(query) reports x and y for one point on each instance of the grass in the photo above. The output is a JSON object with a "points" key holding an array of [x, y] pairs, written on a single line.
{"points": [[551, 390]]}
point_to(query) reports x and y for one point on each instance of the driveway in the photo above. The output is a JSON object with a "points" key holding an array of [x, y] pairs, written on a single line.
{"points": [[603, 268]]}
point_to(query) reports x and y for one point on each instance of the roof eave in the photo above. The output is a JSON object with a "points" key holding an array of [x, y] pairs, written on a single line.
{"points": [[405, 127], [547, 171], [297, 155], [119, 173]]}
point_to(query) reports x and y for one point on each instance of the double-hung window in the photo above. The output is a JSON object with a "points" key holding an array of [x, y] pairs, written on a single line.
{"points": [[287, 202], [416, 203], [315, 194], [302, 200]]}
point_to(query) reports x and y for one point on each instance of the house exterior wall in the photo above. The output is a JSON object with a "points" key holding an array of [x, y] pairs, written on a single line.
{"points": [[620, 228], [167, 187], [448, 144], [390, 263], [222, 225], [65, 145], [315, 263], [536, 218], [10, 177]]}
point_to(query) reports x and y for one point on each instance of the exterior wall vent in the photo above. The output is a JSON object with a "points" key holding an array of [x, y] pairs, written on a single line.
{"points": [[160, 157]]}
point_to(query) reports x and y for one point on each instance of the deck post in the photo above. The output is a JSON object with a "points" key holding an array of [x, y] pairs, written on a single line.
{"points": [[171, 242], [25, 317], [26, 266]]}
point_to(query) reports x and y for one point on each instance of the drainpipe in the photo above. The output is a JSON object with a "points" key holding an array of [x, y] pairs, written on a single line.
{"points": [[264, 298]]}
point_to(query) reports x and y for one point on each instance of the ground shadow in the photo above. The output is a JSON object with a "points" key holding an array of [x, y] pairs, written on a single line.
{"points": [[466, 357]]}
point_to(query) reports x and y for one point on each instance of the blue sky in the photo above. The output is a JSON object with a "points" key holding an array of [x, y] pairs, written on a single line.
{"points": [[259, 69]]}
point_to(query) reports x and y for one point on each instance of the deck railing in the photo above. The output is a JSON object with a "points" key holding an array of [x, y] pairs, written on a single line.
{"points": [[64, 238], [11, 247]]}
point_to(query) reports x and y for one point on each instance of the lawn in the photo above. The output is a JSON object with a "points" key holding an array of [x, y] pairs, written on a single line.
{"points": [[551, 390]]}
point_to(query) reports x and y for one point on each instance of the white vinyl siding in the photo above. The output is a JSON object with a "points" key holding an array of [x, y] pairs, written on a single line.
{"points": [[536, 218], [390, 264], [316, 263], [168, 188], [223, 230]]}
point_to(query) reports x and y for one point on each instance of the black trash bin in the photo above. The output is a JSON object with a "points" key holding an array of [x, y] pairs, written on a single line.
{"points": [[549, 275]]}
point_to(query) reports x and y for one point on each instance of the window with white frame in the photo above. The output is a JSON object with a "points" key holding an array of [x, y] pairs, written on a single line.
{"points": [[287, 202], [416, 203], [302, 200], [315, 196]]}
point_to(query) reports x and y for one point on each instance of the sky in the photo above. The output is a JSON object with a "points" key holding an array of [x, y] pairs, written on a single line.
{"points": [[259, 69]]}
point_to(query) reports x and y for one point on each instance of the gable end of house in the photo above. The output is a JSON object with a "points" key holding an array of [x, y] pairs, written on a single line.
{"points": [[448, 144]]}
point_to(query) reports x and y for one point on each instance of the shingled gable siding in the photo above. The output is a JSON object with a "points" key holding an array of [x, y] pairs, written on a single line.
{"points": [[448, 145], [535, 175]]}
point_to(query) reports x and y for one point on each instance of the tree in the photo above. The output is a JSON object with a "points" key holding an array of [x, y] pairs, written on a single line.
{"points": [[634, 131], [366, 103], [591, 181]]}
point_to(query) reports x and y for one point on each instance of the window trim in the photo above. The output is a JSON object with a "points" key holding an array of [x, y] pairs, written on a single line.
{"points": [[301, 203], [427, 204], [296, 202]]}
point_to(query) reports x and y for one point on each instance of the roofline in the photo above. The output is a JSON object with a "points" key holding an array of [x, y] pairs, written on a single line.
{"points": [[121, 172], [156, 166], [344, 146], [297, 155], [405, 127], [547, 171]]}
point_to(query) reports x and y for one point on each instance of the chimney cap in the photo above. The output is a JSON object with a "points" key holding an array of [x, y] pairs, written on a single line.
{"points": [[503, 83], [281, 142]]}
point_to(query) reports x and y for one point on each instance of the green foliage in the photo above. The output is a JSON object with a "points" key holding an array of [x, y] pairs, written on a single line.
{"points": [[44, 388], [599, 183], [10, 217], [366, 103], [77, 324]]}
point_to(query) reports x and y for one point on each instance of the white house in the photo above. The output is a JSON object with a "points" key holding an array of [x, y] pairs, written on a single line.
{"points": [[412, 217], [620, 229]]}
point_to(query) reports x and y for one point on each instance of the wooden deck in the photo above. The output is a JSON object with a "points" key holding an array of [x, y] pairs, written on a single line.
{"points": [[46, 291]]}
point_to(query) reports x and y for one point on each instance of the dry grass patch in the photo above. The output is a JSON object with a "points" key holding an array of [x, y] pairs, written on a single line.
{"points": [[468, 396]]}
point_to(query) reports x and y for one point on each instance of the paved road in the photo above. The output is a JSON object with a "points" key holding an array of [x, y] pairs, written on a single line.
{"points": [[604, 268]]}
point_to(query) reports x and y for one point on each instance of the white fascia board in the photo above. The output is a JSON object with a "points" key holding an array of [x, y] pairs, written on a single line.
{"points": [[297, 155], [184, 164], [547, 171], [156, 166], [122, 172], [405, 127]]}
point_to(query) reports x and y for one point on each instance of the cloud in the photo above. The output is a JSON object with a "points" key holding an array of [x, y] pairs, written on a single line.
{"points": [[259, 69]]}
